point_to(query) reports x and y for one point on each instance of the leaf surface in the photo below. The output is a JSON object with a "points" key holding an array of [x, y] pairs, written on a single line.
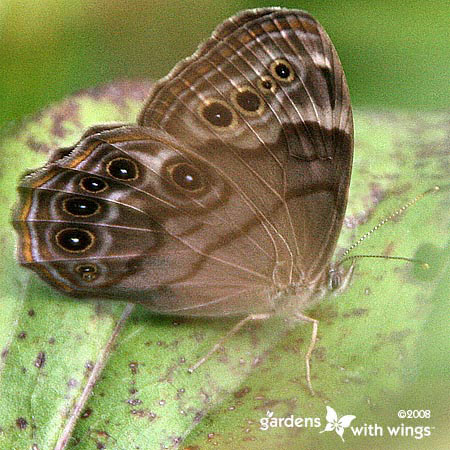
{"points": [[381, 343]]}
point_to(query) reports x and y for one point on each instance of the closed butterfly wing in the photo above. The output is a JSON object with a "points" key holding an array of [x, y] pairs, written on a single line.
{"points": [[128, 213], [230, 191], [265, 99]]}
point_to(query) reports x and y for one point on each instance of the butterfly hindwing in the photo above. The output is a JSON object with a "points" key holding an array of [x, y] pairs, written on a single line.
{"points": [[128, 213]]}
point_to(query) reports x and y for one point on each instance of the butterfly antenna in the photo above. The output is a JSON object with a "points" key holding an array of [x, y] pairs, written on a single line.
{"points": [[392, 216]]}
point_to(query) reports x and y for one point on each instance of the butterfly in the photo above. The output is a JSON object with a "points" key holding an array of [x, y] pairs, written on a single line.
{"points": [[226, 198]]}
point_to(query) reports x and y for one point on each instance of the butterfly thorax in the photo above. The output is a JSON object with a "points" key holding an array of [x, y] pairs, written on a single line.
{"points": [[299, 296]]}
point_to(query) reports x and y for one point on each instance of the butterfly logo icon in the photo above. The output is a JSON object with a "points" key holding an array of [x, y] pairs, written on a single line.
{"points": [[339, 425]]}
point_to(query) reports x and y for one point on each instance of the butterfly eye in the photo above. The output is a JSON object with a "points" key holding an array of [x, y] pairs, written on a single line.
{"points": [[81, 207], [282, 70], [75, 240], [187, 177], [123, 169], [248, 102], [218, 113], [89, 272], [266, 84], [93, 185], [334, 280]]}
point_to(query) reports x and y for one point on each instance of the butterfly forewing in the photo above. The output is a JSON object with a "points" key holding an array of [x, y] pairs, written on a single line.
{"points": [[265, 98]]}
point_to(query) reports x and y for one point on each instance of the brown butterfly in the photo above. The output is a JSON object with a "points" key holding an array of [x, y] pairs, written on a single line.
{"points": [[226, 198]]}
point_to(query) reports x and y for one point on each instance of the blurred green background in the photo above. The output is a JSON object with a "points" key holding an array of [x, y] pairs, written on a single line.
{"points": [[395, 53]]}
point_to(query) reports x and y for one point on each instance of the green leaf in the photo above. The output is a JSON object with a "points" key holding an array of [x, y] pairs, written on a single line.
{"points": [[99, 374]]}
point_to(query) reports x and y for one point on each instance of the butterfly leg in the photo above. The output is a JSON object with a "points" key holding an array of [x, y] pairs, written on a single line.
{"points": [[312, 344], [234, 330]]}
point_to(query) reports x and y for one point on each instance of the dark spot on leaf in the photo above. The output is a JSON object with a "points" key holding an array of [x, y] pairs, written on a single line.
{"points": [[51, 340], [134, 367], [327, 312], [389, 249], [134, 401], [320, 353], [86, 413], [72, 383], [22, 335], [356, 312], [37, 146], [100, 445], [120, 92], [144, 413], [89, 365], [205, 396], [133, 391], [89, 272], [40, 360], [66, 112], [103, 434], [353, 379], [398, 336], [21, 423], [431, 255], [31, 313], [4, 353], [242, 392], [180, 392]]}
